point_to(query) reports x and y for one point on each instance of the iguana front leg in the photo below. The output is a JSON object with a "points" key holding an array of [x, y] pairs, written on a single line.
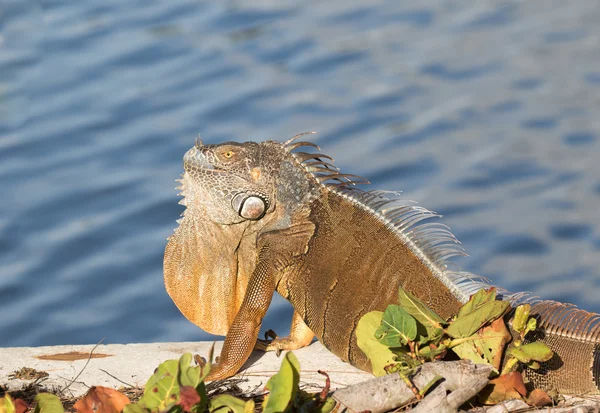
{"points": [[243, 333], [276, 250], [300, 336]]}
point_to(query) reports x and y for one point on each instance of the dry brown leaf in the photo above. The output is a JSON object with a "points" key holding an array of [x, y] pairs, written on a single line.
{"points": [[539, 398], [505, 387], [498, 327], [100, 399]]}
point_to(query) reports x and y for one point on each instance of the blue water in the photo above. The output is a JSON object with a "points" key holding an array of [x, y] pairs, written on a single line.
{"points": [[486, 112]]}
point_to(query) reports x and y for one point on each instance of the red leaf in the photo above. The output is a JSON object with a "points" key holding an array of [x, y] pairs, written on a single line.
{"points": [[188, 397], [20, 406], [100, 399]]}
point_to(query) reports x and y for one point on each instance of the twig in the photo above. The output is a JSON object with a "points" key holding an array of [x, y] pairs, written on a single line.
{"points": [[86, 363], [116, 378]]}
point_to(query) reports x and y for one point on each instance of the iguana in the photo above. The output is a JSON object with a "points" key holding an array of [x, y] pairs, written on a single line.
{"points": [[266, 217]]}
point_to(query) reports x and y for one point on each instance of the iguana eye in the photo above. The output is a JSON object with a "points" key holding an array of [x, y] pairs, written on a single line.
{"points": [[228, 154], [249, 206]]}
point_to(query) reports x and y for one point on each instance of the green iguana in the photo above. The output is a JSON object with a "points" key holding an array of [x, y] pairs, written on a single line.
{"points": [[264, 217]]}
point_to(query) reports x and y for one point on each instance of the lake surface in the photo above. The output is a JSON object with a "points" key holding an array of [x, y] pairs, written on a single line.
{"points": [[486, 112]]}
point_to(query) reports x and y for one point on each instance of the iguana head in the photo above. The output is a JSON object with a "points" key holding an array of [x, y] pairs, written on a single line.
{"points": [[235, 182], [229, 180]]}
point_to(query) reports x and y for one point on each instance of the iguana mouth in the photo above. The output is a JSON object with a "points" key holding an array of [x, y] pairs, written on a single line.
{"points": [[196, 159]]}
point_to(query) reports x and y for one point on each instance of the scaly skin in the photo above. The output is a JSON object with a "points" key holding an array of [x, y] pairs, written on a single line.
{"points": [[261, 218]]}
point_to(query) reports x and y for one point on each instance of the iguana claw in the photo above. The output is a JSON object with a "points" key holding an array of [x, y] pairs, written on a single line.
{"points": [[277, 344], [270, 334], [271, 342]]}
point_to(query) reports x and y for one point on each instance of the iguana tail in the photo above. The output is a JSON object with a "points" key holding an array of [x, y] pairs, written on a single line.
{"points": [[573, 334]]}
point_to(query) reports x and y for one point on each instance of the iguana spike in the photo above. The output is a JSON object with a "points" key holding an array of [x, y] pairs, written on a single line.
{"points": [[321, 169], [292, 139], [323, 178], [591, 321], [341, 184], [323, 163], [295, 145], [303, 156]]}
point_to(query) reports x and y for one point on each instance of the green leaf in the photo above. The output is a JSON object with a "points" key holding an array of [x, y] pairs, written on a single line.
{"points": [[468, 324], [205, 369], [536, 351], [378, 354], [192, 376], [134, 408], [426, 337], [486, 346], [311, 403], [477, 300], [493, 342], [225, 403], [397, 327], [187, 374], [428, 318], [519, 322], [48, 403], [326, 407], [423, 391], [6, 404], [467, 350], [283, 385], [531, 325], [162, 391], [404, 362], [430, 353]]}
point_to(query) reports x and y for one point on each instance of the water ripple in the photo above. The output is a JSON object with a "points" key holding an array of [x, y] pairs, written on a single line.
{"points": [[475, 110]]}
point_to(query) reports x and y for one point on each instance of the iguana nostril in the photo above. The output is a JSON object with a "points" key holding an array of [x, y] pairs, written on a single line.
{"points": [[198, 158], [249, 206]]}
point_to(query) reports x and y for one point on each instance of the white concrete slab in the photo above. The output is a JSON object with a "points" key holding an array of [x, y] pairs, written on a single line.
{"points": [[135, 363]]}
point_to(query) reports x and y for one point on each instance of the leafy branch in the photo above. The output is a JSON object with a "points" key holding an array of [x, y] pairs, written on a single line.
{"points": [[409, 334]]}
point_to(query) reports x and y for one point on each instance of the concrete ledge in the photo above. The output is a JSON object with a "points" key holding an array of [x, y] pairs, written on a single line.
{"points": [[118, 365], [135, 363]]}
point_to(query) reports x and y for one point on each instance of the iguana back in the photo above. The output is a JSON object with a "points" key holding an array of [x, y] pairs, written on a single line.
{"points": [[335, 253], [354, 264]]}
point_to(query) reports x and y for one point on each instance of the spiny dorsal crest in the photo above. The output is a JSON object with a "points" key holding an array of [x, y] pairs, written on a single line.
{"points": [[434, 244], [431, 242], [320, 165]]}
